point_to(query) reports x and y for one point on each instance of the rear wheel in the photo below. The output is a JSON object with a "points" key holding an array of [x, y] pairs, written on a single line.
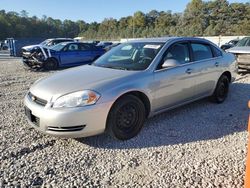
{"points": [[126, 117], [51, 64], [221, 90]]}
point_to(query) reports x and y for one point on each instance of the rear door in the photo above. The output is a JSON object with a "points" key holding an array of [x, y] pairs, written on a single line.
{"points": [[207, 60], [86, 53]]}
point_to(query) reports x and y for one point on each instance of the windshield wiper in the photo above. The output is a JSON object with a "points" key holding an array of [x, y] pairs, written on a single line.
{"points": [[120, 68], [112, 67]]}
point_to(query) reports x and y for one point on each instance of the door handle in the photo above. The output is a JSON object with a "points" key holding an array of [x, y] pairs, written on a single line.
{"points": [[189, 71], [216, 64]]}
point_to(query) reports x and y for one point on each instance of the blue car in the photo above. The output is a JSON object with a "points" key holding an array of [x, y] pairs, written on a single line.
{"points": [[65, 54]]}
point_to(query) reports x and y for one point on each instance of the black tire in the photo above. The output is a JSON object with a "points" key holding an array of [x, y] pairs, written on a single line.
{"points": [[126, 117], [95, 58], [221, 90], [50, 64]]}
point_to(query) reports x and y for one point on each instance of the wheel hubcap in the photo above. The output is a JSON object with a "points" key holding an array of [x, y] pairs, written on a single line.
{"points": [[222, 91], [127, 117]]}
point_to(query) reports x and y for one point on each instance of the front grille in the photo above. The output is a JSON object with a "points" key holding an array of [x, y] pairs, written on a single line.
{"points": [[66, 129], [37, 100], [35, 120]]}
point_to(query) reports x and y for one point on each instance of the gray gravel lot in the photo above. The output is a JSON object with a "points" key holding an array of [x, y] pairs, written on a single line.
{"points": [[199, 145]]}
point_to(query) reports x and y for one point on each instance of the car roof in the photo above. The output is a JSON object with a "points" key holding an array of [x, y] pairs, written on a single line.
{"points": [[167, 39], [160, 40], [74, 42], [60, 39]]}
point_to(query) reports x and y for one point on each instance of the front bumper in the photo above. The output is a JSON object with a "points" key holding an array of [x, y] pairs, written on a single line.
{"points": [[32, 62], [67, 122]]}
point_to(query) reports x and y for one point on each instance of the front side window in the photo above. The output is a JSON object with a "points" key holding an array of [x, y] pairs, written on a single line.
{"points": [[178, 52], [201, 51], [130, 56], [72, 47]]}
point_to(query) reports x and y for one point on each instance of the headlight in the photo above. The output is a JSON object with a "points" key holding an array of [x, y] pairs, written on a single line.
{"points": [[76, 99]]}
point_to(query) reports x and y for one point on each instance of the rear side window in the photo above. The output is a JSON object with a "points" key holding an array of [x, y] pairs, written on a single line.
{"points": [[201, 51], [216, 52], [83, 47], [71, 47]]}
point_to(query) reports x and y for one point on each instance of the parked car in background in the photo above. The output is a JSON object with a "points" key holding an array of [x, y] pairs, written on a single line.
{"points": [[107, 48], [104, 44], [229, 44], [95, 42], [242, 53], [3, 45], [126, 85], [65, 54], [26, 51]]}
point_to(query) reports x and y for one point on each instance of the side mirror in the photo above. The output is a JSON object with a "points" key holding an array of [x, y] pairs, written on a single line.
{"points": [[170, 63]]}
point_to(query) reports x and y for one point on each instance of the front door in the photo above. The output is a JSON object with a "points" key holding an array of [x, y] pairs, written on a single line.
{"points": [[174, 85], [70, 55]]}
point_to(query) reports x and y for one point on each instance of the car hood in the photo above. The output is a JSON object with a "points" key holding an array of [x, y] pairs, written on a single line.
{"points": [[30, 47], [75, 79], [239, 50]]}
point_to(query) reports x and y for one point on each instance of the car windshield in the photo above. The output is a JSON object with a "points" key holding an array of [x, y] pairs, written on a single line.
{"points": [[58, 47], [244, 42], [44, 42], [130, 56]]}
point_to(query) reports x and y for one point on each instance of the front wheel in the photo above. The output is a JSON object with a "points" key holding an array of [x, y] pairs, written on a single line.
{"points": [[50, 64], [126, 117], [221, 90]]}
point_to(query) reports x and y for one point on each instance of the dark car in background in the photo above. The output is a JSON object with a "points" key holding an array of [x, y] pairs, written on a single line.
{"points": [[229, 44], [65, 54]]}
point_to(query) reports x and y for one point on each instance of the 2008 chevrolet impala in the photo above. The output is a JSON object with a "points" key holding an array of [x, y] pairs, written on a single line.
{"points": [[131, 82]]}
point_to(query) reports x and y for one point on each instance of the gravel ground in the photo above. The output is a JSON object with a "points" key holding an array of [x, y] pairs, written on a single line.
{"points": [[199, 145]]}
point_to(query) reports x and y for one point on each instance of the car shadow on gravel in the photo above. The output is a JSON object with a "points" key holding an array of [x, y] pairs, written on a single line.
{"points": [[42, 70], [198, 121]]}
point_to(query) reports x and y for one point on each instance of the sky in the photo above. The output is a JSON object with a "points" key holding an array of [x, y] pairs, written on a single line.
{"points": [[92, 10]]}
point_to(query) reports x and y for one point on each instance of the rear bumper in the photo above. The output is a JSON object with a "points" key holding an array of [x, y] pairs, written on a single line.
{"points": [[243, 61], [68, 122]]}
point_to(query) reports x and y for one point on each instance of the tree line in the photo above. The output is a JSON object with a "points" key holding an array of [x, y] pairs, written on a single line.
{"points": [[200, 18]]}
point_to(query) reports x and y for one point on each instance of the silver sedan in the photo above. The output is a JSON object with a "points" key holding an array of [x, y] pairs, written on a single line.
{"points": [[128, 84]]}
